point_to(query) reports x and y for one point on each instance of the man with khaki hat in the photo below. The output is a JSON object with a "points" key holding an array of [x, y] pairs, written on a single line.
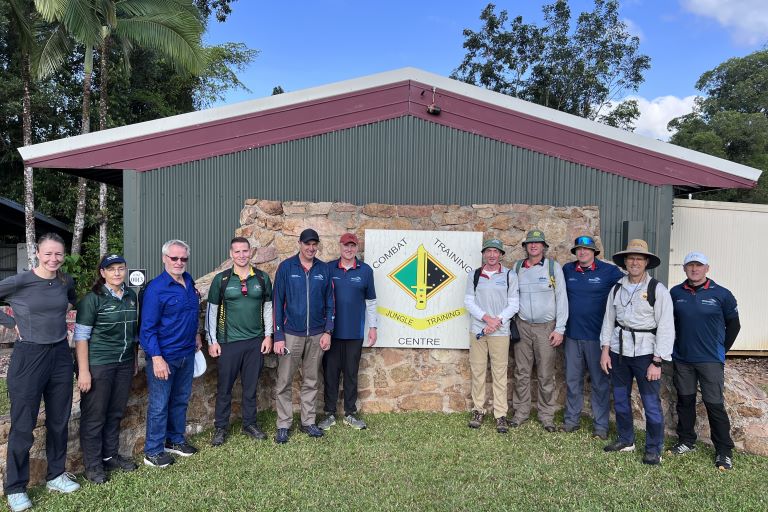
{"points": [[541, 322], [637, 334], [706, 326], [491, 300]]}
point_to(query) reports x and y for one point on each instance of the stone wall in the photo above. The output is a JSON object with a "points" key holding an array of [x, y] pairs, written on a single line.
{"points": [[401, 379]]}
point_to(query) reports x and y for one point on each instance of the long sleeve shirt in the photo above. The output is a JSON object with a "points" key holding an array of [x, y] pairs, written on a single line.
{"points": [[630, 307], [539, 302], [494, 296]]}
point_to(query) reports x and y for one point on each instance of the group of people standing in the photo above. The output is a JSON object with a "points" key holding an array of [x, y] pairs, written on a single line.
{"points": [[617, 327]]}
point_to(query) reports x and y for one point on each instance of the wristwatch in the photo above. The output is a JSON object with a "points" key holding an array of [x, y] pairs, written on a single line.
{"points": [[655, 363]]}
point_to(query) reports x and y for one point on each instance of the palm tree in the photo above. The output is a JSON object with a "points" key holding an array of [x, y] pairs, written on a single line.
{"points": [[173, 28]]}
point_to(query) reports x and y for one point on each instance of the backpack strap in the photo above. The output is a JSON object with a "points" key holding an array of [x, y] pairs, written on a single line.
{"points": [[221, 317], [552, 273], [652, 291], [476, 278], [518, 264]]}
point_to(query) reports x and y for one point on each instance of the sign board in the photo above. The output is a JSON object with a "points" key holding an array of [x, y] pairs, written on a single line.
{"points": [[137, 277], [421, 279]]}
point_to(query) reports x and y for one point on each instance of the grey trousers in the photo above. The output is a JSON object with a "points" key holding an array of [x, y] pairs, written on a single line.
{"points": [[307, 354]]}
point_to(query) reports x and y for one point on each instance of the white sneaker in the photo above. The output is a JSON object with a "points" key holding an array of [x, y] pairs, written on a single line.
{"points": [[64, 483]]}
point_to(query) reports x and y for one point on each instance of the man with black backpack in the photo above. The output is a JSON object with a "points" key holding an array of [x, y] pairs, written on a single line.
{"points": [[239, 327], [492, 300], [637, 334]]}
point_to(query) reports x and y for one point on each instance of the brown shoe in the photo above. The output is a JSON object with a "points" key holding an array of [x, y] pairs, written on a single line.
{"points": [[477, 419], [501, 425]]}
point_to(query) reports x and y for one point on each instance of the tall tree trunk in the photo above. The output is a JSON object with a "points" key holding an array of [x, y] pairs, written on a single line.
{"points": [[82, 183], [29, 189], [103, 214]]}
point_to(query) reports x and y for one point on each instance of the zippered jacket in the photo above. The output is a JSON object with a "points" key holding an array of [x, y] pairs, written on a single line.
{"points": [[302, 300]]}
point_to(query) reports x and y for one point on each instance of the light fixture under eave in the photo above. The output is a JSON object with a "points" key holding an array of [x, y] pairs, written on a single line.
{"points": [[432, 108]]}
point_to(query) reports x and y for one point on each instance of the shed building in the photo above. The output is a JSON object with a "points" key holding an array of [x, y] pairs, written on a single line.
{"points": [[399, 137]]}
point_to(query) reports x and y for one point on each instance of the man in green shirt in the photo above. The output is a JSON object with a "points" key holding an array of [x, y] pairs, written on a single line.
{"points": [[239, 327]]}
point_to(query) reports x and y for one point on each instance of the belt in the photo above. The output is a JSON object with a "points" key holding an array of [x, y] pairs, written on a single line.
{"points": [[633, 331]]}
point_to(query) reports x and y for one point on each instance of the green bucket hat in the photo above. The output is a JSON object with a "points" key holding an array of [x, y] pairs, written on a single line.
{"points": [[493, 243], [585, 241], [535, 235]]}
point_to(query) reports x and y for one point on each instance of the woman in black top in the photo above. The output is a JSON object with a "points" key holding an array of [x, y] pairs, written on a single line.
{"points": [[41, 367], [105, 344]]}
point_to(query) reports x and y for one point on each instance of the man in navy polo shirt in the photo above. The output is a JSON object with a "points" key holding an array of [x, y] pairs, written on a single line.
{"points": [[355, 298], [706, 325], [588, 282]]}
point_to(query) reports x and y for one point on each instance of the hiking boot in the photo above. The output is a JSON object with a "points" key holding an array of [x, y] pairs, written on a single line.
{"points": [[501, 425], [327, 422], [96, 475], [723, 462], [652, 458], [184, 448], [19, 501], [514, 423], [681, 448], [119, 462], [600, 434], [64, 483], [619, 446], [282, 436], [219, 436], [549, 428], [356, 423], [569, 428], [311, 430], [477, 419], [160, 460], [254, 432]]}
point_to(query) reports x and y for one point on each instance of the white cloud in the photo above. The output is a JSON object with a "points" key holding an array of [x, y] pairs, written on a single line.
{"points": [[656, 113], [634, 29], [747, 20]]}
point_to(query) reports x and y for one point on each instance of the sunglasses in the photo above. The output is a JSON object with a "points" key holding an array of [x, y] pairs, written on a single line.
{"points": [[174, 259], [244, 288], [584, 240]]}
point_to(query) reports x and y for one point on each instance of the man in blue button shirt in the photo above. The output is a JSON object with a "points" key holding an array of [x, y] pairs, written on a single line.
{"points": [[355, 298], [706, 326], [588, 281], [169, 336]]}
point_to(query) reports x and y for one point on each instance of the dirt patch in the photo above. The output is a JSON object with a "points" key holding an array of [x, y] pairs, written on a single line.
{"points": [[754, 369]]}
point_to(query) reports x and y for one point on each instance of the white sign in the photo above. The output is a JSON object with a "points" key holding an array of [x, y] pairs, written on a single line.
{"points": [[137, 277], [421, 279]]}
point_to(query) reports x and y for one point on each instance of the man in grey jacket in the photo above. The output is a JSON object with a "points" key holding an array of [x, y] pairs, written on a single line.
{"points": [[491, 300], [541, 322]]}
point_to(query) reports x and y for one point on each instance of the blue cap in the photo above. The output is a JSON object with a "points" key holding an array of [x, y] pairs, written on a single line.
{"points": [[111, 260]]}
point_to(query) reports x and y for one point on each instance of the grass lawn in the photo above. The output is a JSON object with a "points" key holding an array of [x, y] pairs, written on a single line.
{"points": [[422, 461], [5, 402]]}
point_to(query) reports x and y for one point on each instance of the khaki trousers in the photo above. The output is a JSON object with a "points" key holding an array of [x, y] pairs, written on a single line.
{"points": [[534, 348], [497, 347], [307, 354]]}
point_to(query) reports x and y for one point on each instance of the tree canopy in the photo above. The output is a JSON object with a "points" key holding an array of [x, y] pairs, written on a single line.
{"points": [[731, 120], [579, 67]]}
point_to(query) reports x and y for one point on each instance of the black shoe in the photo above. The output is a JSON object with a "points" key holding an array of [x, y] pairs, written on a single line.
{"points": [[255, 432], [619, 446], [96, 475], [549, 428], [312, 430], [119, 462], [569, 428], [219, 436], [681, 448], [161, 460], [652, 458], [723, 462], [282, 436], [184, 449]]}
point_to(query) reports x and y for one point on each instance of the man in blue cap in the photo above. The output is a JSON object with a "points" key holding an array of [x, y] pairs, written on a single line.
{"points": [[588, 282]]}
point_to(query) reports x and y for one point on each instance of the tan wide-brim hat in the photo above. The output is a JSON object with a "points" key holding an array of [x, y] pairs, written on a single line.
{"points": [[637, 246]]}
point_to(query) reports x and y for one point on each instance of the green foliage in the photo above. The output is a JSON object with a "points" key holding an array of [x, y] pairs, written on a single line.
{"points": [[424, 461], [731, 121], [579, 68], [5, 402], [220, 76], [75, 265], [278, 89]]}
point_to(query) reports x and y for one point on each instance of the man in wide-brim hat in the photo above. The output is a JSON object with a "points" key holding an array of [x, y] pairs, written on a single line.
{"points": [[588, 282], [638, 332]]}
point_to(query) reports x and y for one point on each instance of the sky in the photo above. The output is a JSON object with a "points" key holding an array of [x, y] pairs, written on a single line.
{"points": [[308, 43]]}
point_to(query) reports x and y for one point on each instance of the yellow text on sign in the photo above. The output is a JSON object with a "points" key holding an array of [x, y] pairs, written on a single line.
{"points": [[420, 323]]}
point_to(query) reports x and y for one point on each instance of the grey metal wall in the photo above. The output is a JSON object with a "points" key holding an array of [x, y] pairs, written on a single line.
{"points": [[400, 161]]}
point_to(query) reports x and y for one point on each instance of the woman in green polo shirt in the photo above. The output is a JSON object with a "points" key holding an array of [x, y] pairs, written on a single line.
{"points": [[105, 344]]}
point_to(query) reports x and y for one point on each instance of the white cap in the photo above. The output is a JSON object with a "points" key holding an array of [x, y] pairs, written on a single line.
{"points": [[696, 256], [200, 365]]}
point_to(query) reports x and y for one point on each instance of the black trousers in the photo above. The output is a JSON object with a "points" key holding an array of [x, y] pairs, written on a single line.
{"points": [[710, 379], [343, 356], [35, 372], [101, 411], [242, 358]]}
